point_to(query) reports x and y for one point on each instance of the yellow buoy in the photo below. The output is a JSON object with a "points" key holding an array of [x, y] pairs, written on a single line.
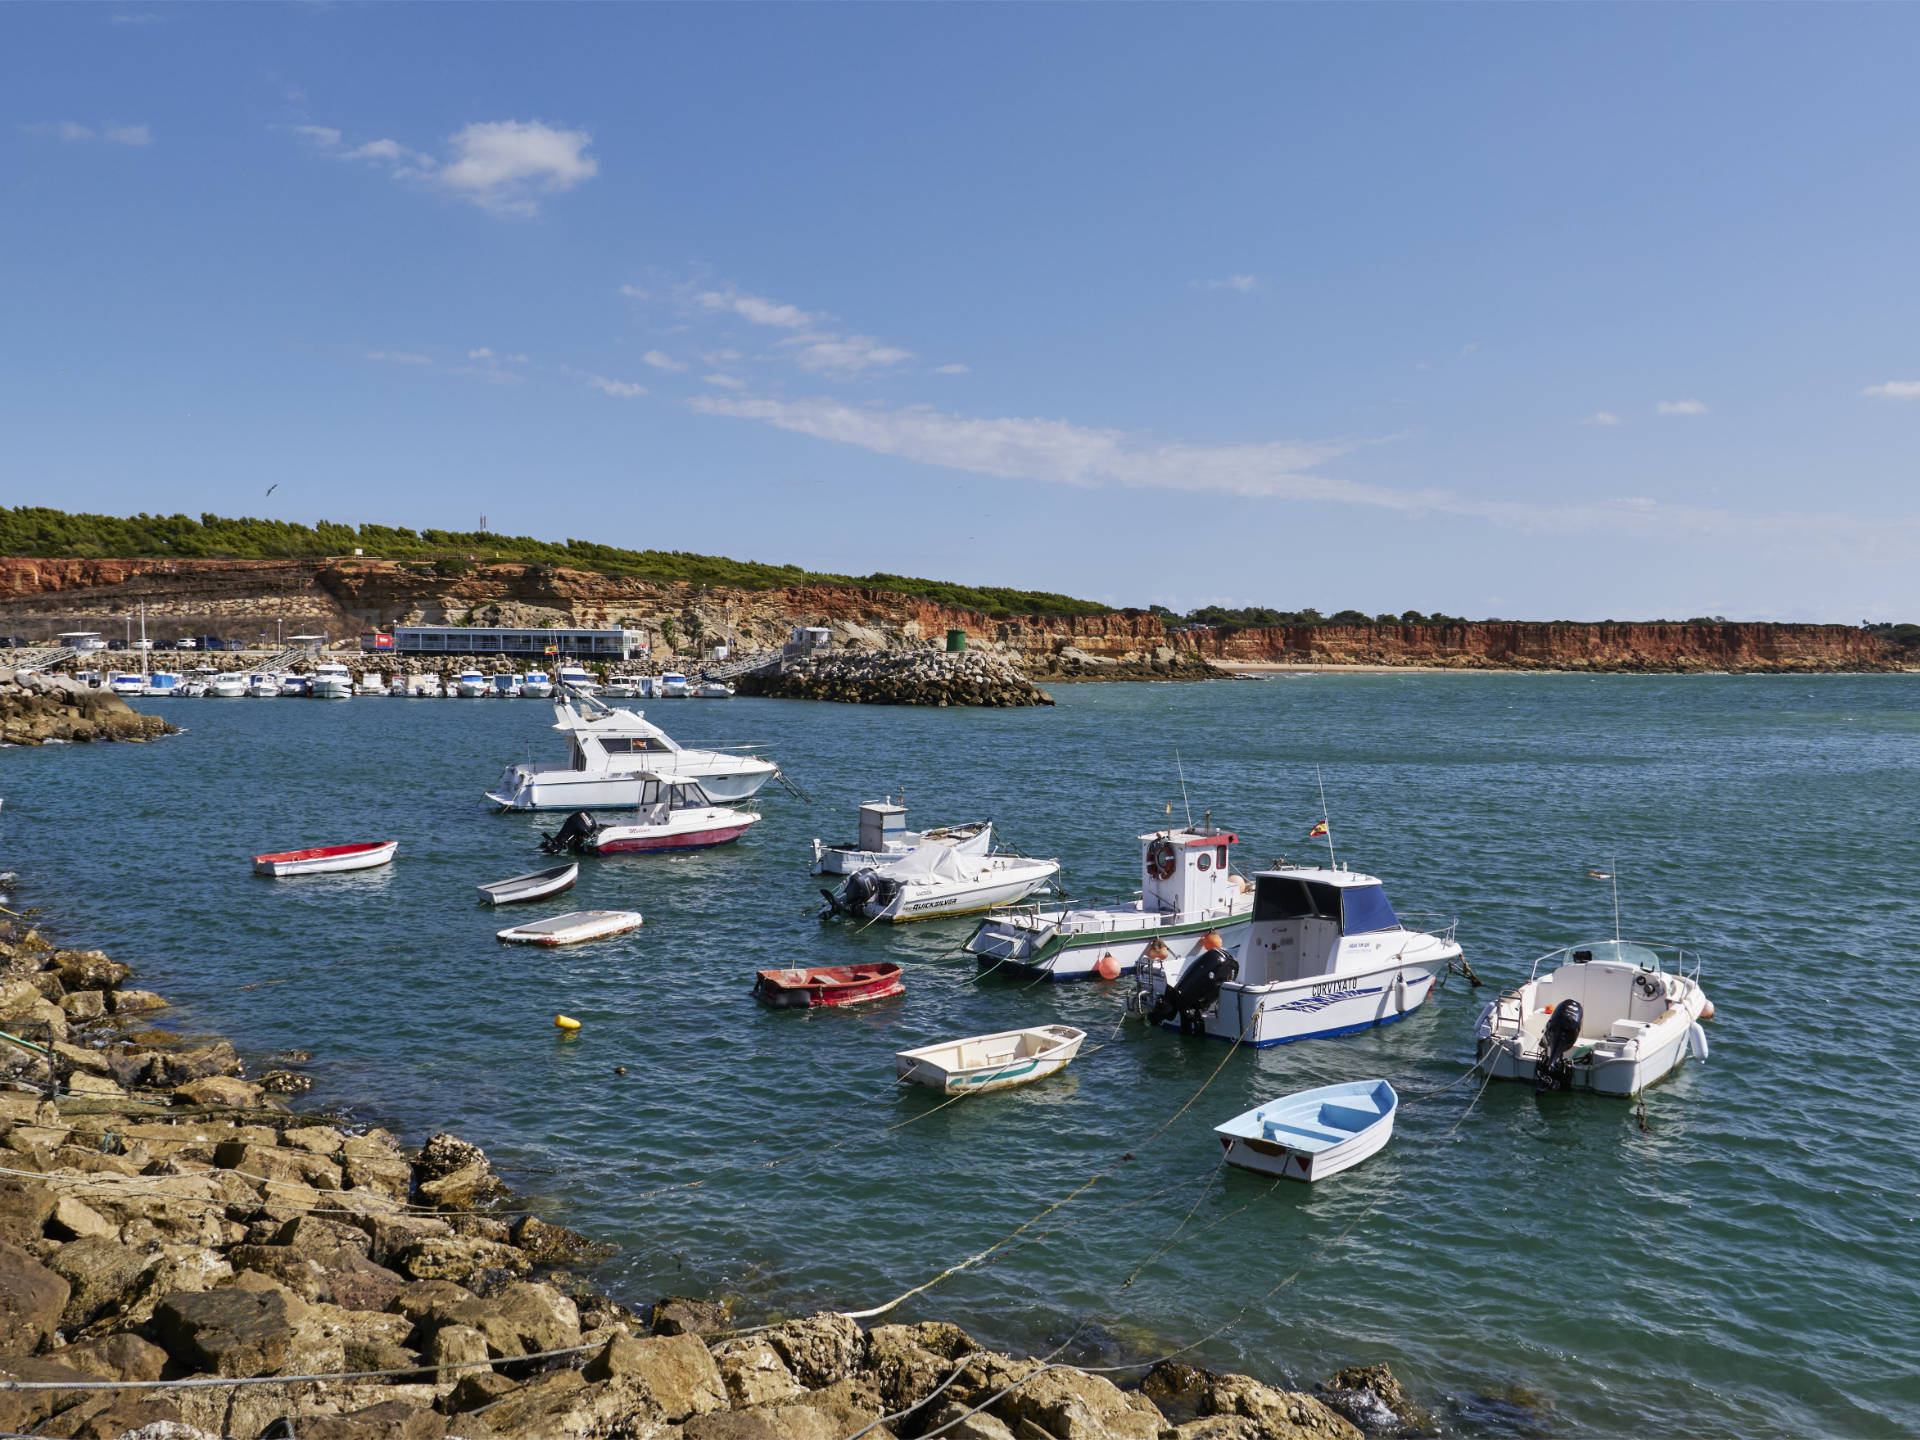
{"points": [[566, 1022]]}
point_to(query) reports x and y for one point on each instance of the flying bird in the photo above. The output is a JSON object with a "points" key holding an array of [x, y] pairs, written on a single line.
{"points": [[273, 487]]}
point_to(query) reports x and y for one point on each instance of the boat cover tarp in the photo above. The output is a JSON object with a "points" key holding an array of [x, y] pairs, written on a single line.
{"points": [[1365, 909], [931, 862]]}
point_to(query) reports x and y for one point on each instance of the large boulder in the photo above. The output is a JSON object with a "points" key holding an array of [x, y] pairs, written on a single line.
{"points": [[116, 1357], [682, 1315], [1280, 1414], [32, 1298], [754, 1373], [226, 1332], [1070, 1404], [89, 970], [453, 1257], [672, 1375], [910, 1361], [960, 1422], [1371, 1397], [389, 1420], [443, 1154], [103, 1278], [522, 1319], [460, 1189], [819, 1349], [24, 1209], [821, 1415]]}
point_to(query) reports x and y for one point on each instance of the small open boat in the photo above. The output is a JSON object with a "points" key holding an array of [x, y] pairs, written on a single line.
{"points": [[534, 885], [991, 1062], [572, 928], [326, 858], [828, 985], [1314, 1133]]}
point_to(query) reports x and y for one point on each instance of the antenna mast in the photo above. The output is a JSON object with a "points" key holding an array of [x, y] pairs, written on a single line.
{"points": [[1183, 788], [1332, 864], [1615, 866]]}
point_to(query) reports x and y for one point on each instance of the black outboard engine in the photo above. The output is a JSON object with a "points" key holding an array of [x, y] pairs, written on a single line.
{"points": [[572, 836], [861, 887], [1195, 994], [1553, 1070]]}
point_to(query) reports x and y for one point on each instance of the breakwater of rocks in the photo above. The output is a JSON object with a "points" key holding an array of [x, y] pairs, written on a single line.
{"points": [[36, 708], [185, 1257], [898, 677]]}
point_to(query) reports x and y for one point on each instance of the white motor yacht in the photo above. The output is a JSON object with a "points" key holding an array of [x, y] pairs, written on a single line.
{"points": [[884, 838], [128, 683], [471, 685], [331, 681], [1324, 954], [292, 685], [263, 685], [371, 683], [672, 686], [506, 686], [163, 683], [1607, 1017], [230, 686], [932, 882], [537, 686], [622, 687], [579, 680], [1189, 901], [714, 690], [611, 752]]}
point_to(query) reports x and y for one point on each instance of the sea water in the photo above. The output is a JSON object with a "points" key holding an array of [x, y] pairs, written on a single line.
{"points": [[1737, 1258]]}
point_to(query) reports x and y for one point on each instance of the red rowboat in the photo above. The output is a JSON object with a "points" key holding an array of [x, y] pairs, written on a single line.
{"points": [[828, 985], [326, 858]]}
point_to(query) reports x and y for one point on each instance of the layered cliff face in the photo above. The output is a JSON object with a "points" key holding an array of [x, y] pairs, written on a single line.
{"points": [[344, 596]]}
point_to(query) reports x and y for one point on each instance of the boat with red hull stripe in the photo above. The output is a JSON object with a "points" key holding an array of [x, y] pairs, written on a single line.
{"points": [[613, 839], [827, 985], [325, 859]]}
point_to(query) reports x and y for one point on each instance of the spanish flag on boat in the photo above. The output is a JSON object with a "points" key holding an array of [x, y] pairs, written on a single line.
{"points": [[1317, 831]]}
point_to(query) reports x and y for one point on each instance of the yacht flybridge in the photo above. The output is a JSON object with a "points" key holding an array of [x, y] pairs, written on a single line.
{"points": [[612, 754], [1324, 954], [1189, 901]]}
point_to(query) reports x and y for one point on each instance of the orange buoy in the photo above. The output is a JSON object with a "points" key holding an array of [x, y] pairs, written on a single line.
{"points": [[1107, 968], [1212, 941], [1706, 1008]]}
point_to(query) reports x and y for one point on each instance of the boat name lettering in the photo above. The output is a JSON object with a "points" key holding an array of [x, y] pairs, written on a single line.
{"points": [[1335, 987]]}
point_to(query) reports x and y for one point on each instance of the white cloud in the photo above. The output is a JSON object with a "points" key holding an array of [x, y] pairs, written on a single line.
{"points": [[1242, 284], [621, 389], [1681, 407], [138, 136], [483, 353], [504, 166], [953, 369], [634, 292], [729, 382], [324, 136], [848, 355], [1469, 348], [1895, 390], [60, 129], [514, 359], [660, 360], [755, 308], [1602, 417], [400, 357]]}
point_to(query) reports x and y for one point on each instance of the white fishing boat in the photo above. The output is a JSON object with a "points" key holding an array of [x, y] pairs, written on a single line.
{"points": [[933, 882], [1189, 901], [670, 815], [572, 928], [623, 687], [128, 684], [535, 885], [991, 1062], [423, 687], [331, 681], [672, 685], [294, 685], [326, 858], [714, 690], [470, 685], [372, 682], [538, 685], [1323, 954], [884, 838], [611, 754], [506, 686], [263, 685], [1607, 1016], [578, 679], [195, 689], [231, 686], [1312, 1134], [163, 684]]}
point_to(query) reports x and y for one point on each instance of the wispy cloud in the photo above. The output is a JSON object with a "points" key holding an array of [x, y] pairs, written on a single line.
{"points": [[1241, 284], [506, 167], [634, 292], [756, 309], [620, 389], [726, 382], [483, 353], [400, 357], [1681, 407], [660, 360], [848, 355], [138, 136], [1602, 417], [1894, 390]]}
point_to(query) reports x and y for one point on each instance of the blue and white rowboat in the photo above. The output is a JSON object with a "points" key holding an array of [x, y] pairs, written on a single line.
{"points": [[1314, 1133]]}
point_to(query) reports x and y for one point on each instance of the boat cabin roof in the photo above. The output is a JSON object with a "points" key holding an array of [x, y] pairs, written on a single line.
{"points": [[1192, 839], [1320, 875], [1358, 904]]}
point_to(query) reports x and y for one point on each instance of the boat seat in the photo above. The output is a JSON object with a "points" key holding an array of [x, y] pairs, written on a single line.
{"points": [[1628, 1029], [1311, 1132], [1349, 1116]]}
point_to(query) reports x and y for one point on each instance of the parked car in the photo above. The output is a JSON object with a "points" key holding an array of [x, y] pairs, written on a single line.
{"points": [[116, 644], [185, 642]]}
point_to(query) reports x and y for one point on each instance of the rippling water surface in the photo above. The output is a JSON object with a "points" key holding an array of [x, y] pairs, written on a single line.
{"points": [[1742, 1264]]}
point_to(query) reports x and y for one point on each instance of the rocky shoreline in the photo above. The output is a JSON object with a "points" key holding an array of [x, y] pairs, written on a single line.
{"points": [[163, 1218], [898, 677], [36, 709]]}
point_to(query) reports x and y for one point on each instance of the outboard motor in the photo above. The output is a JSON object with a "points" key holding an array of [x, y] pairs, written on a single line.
{"points": [[1553, 1070], [572, 836], [1196, 992], [859, 889]]}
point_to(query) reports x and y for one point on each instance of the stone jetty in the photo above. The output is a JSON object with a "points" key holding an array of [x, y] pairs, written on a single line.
{"points": [[166, 1218], [36, 708], [920, 676]]}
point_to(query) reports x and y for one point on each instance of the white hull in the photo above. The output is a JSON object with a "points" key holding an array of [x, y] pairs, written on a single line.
{"points": [[991, 1062], [536, 690], [1324, 1006], [572, 928], [333, 689], [962, 900], [725, 778], [1024, 943], [1314, 1134], [329, 864]]}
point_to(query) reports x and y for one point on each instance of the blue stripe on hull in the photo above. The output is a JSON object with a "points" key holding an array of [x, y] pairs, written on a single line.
{"points": [[1174, 1026]]}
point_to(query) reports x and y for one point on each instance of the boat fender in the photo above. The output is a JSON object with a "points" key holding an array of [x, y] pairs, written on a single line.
{"points": [[1697, 1040], [566, 1023], [1107, 968], [1484, 1025], [1400, 994], [1553, 1070]]}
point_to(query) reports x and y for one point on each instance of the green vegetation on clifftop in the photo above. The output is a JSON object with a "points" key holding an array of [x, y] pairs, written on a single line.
{"points": [[42, 533]]}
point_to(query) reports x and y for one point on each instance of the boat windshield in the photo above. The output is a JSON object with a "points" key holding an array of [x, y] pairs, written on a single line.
{"points": [[1357, 909], [1620, 952]]}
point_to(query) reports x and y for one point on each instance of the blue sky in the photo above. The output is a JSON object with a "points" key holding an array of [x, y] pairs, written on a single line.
{"points": [[1541, 312]]}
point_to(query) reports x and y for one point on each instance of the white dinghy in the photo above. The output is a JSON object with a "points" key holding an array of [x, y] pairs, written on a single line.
{"points": [[1314, 1133], [884, 838], [534, 885], [572, 928], [1606, 1017], [933, 881], [991, 1062], [326, 859], [1324, 954], [1189, 901]]}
